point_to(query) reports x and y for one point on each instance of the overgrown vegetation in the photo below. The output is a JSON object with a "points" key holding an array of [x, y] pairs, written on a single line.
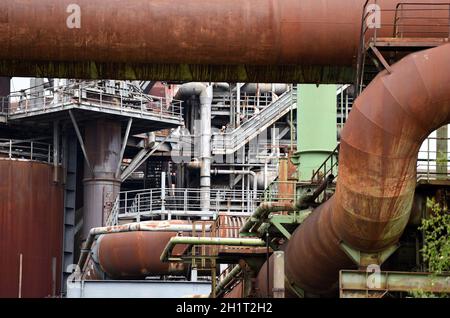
{"points": [[436, 248], [436, 231]]}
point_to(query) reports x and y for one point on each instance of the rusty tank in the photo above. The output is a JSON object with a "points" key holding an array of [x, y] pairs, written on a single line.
{"points": [[137, 254], [377, 171], [308, 41], [31, 218]]}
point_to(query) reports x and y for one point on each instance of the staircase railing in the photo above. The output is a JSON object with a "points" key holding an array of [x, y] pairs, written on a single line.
{"points": [[95, 97], [113, 218], [328, 167], [149, 203], [227, 143], [26, 149]]}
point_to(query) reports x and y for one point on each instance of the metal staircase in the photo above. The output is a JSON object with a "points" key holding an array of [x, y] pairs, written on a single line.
{"points": [[228, 143]]}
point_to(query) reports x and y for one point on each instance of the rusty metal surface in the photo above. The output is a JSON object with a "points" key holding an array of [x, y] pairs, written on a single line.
{"points": [[194, 40], [31, 218], [355, 283], [377, 169], [137, 254], [236, 292], [103, 142]]}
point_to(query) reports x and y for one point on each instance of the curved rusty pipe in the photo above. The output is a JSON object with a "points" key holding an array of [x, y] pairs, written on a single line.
{"points": [[377, 169]]}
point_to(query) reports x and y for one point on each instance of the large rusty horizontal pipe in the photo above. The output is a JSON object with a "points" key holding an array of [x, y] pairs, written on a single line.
{"points": [[377, 169], [192, 40]]}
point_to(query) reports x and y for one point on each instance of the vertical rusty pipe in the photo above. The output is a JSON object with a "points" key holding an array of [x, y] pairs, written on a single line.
{"points": [[103, 144], [377, 169]]}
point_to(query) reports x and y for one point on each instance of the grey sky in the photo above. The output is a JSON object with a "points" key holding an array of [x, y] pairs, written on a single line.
{"points": [[18, 83]]}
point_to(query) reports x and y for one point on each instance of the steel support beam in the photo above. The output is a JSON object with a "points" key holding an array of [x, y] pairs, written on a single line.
{"points": [[80, 140], [124, 145], [363, 284], [69, 155], [165, 256], [232, 275], [140, 158]]}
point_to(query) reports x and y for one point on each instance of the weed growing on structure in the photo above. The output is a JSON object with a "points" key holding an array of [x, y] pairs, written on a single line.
{"points": [[436, 247]]}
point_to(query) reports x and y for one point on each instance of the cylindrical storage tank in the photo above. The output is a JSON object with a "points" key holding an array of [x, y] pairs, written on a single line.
{"points": [[101, 185], [31, 224], [137, 254]]}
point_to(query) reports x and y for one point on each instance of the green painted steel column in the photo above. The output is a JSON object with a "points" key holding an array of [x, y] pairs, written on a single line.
{"points": [[316, 127]]}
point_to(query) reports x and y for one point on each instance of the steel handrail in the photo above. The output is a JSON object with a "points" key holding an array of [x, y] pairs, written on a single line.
{"points": [[234, 139], [152, 202], [27, 149], [70, 95]]}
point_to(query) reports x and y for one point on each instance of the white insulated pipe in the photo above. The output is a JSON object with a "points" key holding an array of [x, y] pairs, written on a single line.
{"points": [[205, 92], [206, 97]]}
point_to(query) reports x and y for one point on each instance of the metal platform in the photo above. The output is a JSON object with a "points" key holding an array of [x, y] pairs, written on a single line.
{"points": [[137, 289], [144, 204], [149, 113], [379, 52], [407, 43]]}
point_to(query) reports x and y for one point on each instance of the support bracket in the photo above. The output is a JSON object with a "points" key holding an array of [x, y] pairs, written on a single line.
{"points": [[381, 58], [80, 140], [124, 145], [141, 158], [363, 259], [282, 229]]}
